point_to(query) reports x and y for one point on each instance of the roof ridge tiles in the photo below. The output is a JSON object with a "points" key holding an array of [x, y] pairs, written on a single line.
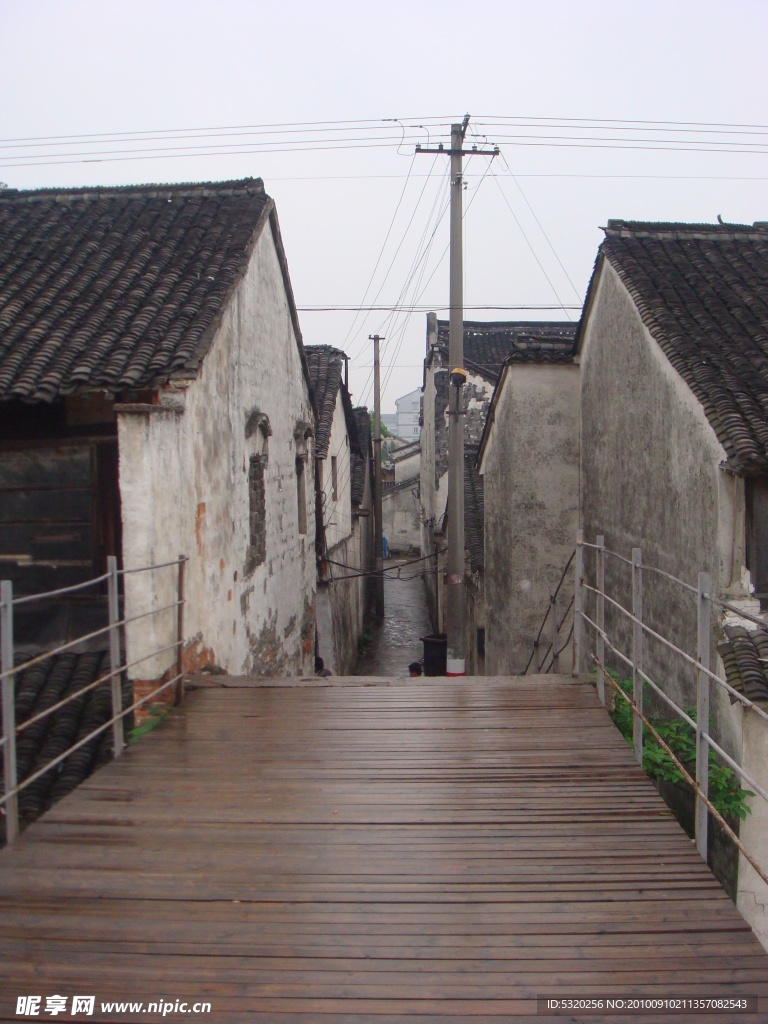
{"points": [[239, 186], [702, 292], [124, 271], [674, 230]]}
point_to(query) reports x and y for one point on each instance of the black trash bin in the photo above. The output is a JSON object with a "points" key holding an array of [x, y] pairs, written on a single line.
{"points": [[435, 654]]}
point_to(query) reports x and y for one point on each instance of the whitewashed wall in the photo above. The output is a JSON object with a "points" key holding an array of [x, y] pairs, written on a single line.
{"points": [[184, 488], [337, 513], [651, 478], [530, 470]]}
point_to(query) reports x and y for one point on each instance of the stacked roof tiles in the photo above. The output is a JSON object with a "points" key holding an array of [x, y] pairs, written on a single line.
{"points": [[40, 688], [326, 367], [360, 458], [745, 659], [474, 512], [702, 292], [117, 288], [487, 345]]}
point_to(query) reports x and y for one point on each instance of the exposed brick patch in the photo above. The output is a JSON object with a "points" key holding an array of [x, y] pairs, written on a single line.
{"points": [[257, 515]]}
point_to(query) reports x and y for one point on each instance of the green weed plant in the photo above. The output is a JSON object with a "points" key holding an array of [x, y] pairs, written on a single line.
{"points": [[725, 790]]}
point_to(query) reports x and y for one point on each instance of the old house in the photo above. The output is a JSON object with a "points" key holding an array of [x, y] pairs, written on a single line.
{"points": [[674, 447], [344, 535], [486, 346], [401, 507], [155, 400], [529, 461], [408, 412]]}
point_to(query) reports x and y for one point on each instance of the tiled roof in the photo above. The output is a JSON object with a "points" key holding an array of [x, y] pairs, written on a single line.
{"points": [[702, 292], [406, 451], [42, 686], [326, 367], [474, 512], [117, 288], [745, 658], [488, 344], [360, 458]]}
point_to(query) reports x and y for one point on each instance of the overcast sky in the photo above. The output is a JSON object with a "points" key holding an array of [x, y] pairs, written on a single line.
{"points": [[77, 67]]}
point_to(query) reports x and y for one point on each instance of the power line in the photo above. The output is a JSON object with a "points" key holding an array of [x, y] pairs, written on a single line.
{"points": [[364, 123], [381, 253], [530, 246], [503, 118], [424, 307], [546, 236], [402, 240]]}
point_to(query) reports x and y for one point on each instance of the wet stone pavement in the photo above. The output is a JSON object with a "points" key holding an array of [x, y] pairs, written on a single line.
{"points": [[395, 639]]}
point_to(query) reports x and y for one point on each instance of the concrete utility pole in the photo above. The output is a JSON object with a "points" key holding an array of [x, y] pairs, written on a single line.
{"points": [[455, 602], [378, 532]]}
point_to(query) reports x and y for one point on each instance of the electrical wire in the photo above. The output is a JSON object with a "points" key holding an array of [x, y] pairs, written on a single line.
{"points": [[381, 253], [293, 137], [405, 235], [533, 251], [546, 236], [422, 307]]}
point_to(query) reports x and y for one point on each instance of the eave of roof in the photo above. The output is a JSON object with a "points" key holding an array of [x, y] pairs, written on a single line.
{"points": [[701, 290], [119, 289], [325, 371]]}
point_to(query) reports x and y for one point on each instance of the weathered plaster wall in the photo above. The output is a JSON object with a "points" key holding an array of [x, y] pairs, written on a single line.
{"points": [[476, 397], [346, 600], [184, 488], [531, 479], [752, 898], [400, 516], [337, 511], [476, 609], [409, 467], [651, 479]]}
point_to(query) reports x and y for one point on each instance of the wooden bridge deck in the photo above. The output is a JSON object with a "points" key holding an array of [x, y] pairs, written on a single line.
{"points": [[426, 850]]}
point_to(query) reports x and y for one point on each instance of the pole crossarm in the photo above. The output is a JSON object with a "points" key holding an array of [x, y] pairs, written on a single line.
{"points": [[474, 151]]}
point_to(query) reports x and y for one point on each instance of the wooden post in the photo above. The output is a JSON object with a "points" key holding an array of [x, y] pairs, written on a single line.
{"points": [[578, 598], [180, 631], [114, 655], [702, 710], [600, 644], [9, 712], [553, 627], [637, 652]]}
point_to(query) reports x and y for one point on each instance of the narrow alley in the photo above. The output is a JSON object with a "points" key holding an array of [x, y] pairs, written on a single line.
{"points": [[396, 640]]}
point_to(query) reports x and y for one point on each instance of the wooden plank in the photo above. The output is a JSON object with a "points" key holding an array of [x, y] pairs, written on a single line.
{"points": [[434, 850]]}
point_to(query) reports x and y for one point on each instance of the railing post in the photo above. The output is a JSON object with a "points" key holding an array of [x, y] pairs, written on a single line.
{"points": [[553, 627], [114, 655], [180, 632], [637, 652], [702, 710], [600, 585], [578, 598], [9, 712]]}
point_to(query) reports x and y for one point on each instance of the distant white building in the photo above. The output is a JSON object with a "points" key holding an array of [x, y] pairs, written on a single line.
{"points": [[408, 408]]}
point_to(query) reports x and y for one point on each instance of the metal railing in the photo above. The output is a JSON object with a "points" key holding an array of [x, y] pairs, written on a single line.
{"points": [[707, 607], [540, 652], [9, 800]]}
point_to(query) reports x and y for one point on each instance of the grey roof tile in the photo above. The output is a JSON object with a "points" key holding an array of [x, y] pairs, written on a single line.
{"points": [[117, 288], [745, 659], [702, 292], [488, 344], [362, 456], [42, 686]]}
